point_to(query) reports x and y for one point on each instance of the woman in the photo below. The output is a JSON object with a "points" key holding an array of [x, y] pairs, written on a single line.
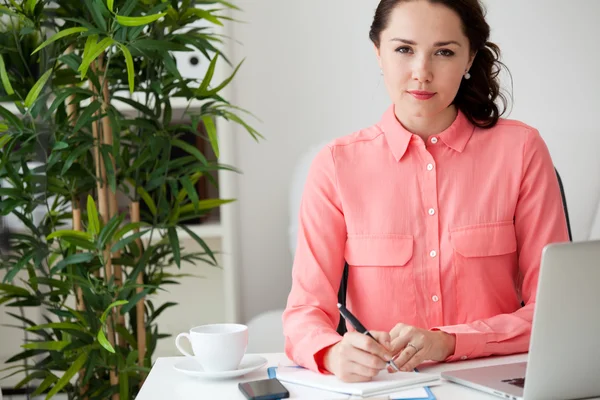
{"points": [[441, 209]]}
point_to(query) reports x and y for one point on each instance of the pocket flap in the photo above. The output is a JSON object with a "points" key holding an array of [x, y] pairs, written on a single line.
{"points": [[388, 250], [484, 240]]}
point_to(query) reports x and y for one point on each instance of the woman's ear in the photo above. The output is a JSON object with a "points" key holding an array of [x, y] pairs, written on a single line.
{"points": [[471, 60], [378, 55]]}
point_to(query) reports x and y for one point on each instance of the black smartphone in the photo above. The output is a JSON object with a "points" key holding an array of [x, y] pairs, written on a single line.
{"points": [[266, 389]]}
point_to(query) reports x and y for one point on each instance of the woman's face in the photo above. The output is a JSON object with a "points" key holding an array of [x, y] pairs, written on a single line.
{"points": [[424, 55]]}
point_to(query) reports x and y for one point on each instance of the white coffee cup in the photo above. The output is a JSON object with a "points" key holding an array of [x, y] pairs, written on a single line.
{"points": [[216, 347]]}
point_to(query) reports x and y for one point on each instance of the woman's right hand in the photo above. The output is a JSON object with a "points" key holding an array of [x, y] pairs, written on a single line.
{"points": [[357, 357]]}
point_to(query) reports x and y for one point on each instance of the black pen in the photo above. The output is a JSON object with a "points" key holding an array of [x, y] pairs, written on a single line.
{"points": [[348, 316]]}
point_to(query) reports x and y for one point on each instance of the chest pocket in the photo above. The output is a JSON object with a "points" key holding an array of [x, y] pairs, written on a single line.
{"points": [[485, 265], [484, 240], [379, 250]]}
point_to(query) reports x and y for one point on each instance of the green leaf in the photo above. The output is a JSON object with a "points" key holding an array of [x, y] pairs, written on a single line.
{"points": [[53, 346], [130, 68], [190, 149], [207, 204], [134, 300], [104, 342], [124, 242], [129, 338], [110, 4], [211, 130], [30, 6], [70, 233], [60, 146], [14, 290], [73, 369], [60, 35], [94, 53], [174, 240], [4, 77], [86, 115], [37, 88], [209, 74], [74, 259], [159, 45], [11, 118], [138, 21], [93, 221], [191, 191], [58, 325], [74, 155], [171, 66], [138, 106], [200, 242], [127, 228], [50, 379], [110, 170], [226, 82], [96, 12], [147, 199], [107, 232], [110, 307]]}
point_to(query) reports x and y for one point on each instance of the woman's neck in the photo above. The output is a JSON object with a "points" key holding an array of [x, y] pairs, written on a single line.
{"points": [[427, 126]]}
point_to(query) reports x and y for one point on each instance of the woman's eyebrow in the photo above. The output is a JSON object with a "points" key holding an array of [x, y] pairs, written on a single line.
{"points": [[436, 44]]}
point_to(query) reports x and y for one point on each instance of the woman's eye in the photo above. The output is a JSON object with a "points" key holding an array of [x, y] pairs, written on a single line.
{"points": [[445, 53], [403, 50]]}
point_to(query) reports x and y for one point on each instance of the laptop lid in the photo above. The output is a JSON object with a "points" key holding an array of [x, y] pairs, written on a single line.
{"points": [[564, 352]]}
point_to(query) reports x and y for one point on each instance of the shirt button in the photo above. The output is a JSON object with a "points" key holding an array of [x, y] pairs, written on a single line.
{"points": [[434, 140], [431, 211], [435, 298], [433, 253], [463, 358], [429, 167]]}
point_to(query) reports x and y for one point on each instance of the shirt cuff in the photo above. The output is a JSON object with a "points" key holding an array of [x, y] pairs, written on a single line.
{"points": [[468, 343], [309, 353]]}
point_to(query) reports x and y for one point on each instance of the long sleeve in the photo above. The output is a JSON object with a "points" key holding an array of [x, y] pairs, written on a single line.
{"points": [[311, 315], [539, 220]]}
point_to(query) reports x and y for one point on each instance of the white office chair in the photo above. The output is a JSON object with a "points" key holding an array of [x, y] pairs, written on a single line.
{"points": [[265, 331]]}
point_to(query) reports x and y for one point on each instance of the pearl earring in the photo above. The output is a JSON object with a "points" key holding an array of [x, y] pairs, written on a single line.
{"points": [[467, 75]]}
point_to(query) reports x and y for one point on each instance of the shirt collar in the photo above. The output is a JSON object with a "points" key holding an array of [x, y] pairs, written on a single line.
{"points": [[456, 136]]}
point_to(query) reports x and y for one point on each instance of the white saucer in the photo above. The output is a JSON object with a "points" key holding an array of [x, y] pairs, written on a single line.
{"points": [[249, 363]]}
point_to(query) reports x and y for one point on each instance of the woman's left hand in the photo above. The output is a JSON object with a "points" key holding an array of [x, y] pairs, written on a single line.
{"points": [[415, 345]]}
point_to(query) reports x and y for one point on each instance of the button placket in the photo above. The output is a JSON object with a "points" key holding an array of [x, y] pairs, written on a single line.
{"points": [[432, 265]]}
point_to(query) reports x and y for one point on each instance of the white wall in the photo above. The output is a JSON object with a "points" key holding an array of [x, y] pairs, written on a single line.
{"points": [[310, 75]]}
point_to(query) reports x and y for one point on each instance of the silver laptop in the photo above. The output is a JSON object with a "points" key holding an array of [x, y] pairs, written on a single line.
{"points": [[564, 351]]}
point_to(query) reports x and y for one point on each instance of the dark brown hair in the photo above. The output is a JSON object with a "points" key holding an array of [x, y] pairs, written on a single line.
{"points": [[477, 96]]}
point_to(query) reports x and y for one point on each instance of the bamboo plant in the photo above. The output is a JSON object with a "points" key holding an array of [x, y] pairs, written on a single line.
{"points": [[92, 264]]}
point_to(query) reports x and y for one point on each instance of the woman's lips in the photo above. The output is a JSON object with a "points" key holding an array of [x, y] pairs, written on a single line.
{"points": [[421, 95]]}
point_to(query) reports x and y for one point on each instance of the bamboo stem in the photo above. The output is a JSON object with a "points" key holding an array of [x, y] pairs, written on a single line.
{"points": [[78, 291], [113, 207], [140, 308], [103, 210]]}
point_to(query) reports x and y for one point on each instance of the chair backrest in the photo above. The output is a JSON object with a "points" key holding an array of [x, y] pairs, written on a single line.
{"points": [[341, 329]]}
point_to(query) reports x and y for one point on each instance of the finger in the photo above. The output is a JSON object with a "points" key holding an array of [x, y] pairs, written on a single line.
{"points": [[405, 356], [369, 345], [414, 362], [397, 330], [400, 342], [365, 358], [383, 338], [362, 370]]}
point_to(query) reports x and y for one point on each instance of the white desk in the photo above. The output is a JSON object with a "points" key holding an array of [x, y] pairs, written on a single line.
{"points": [[164, 382]]}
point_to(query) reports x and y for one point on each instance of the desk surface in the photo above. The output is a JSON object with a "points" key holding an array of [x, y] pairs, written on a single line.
{"points": [[164, 382]]}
